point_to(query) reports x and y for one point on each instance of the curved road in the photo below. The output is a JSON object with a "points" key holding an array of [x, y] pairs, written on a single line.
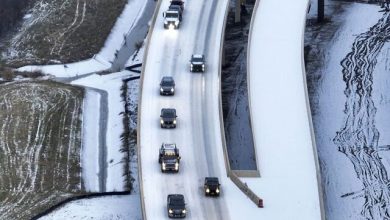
{"points": [[197, 134]]}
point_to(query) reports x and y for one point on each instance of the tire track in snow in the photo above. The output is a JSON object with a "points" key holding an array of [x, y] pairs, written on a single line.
{"points": [[358, 138]]}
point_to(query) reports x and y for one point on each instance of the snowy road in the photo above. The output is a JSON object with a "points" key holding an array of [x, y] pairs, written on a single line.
{"points": [[196, 100]]}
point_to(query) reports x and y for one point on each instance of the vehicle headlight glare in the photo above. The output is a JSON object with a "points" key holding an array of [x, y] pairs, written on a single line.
{"points": [[174, 121], [172, 90], [161, 89], [162, 121], [170, 211], [207, 190], [217, 190], [184, 211]]}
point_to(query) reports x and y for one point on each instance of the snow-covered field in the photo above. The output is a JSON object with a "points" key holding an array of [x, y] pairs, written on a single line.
{"points": [[40, 138], [102, 60], [351, 123]]}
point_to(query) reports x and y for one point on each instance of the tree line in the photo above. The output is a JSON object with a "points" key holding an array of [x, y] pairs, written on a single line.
{"points": [[11, 12]]}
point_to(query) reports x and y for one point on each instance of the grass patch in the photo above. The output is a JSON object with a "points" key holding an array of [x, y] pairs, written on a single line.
{"points": [[40, 139]]}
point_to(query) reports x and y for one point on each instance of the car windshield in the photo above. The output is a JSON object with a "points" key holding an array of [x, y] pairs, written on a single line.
{"points": [[169, 114], [212, 181], [171, 14], [167, 82], [178, 201], [197, 59]]}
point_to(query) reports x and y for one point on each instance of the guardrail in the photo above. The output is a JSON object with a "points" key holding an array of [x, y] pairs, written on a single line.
{"points": [[150, 33], [313, 140]]}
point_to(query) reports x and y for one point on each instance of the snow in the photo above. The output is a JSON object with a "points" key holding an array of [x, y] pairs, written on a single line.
{"points": [[104, 208], [282, 133], [111, 84], [90, 150], [338, 171], [102, 60]]}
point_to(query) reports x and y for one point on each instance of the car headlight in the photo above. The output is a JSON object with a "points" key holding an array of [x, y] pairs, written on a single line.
{"points": [[161, 89], [162, 121], [174, 121], [165, 22], [184, 211], [172, 89], [217, 190], [207, 190], [163, 166], [176, 166], [192, 65], [176, 23], [170, 211]]}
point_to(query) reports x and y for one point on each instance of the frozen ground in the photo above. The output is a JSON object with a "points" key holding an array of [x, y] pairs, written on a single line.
{"points": [[108, 54], [351, 118], [106, 208], [238, 131]]}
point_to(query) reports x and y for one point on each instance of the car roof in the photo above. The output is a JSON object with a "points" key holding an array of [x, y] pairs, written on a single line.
{"points": [[168, 110], [168, 146], [197, 55], [167, 78], [176, 196], [212, 180]]}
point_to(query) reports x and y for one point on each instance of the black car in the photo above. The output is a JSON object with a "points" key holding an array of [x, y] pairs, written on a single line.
{"points": [[179, 3], [176, 206], [167, 86], [212, 186], [197, 63], [168, 118]]}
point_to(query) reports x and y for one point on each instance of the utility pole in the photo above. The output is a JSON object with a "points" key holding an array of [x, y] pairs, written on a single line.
{"points": [[321, 11]]}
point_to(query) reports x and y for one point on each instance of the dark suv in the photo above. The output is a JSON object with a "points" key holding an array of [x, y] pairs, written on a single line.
{"points": [[179, 3], [169, 158], [211, 186], [176, 206], [168, 118], [197, 63], [167, 86]]}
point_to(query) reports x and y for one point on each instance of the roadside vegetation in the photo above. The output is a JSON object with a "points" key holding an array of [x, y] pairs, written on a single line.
{"points": [[60, 31], [40, 140]]}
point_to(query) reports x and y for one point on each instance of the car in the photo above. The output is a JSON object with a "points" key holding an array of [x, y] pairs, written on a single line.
{"points": [[178, 9], [167, 86], [212, 186], [179, 3], [172, 19], [168, 149], [176, 206], [197, 63], [169, 157], [168, 118]]}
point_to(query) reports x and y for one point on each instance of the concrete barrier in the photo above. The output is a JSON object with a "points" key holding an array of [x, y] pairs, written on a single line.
{"points": [[314, 145], [150, 32], [246, 190], [221, 60], [254, 12]]}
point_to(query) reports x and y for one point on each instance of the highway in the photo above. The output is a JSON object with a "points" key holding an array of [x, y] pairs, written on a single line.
{"points": [[196, 101]]}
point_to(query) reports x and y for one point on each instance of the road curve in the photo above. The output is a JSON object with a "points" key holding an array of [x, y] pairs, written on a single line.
{"points": [[196, 101]]}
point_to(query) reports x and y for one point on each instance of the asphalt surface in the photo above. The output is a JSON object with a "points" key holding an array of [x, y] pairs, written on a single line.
{"points": [[195, 101]]}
